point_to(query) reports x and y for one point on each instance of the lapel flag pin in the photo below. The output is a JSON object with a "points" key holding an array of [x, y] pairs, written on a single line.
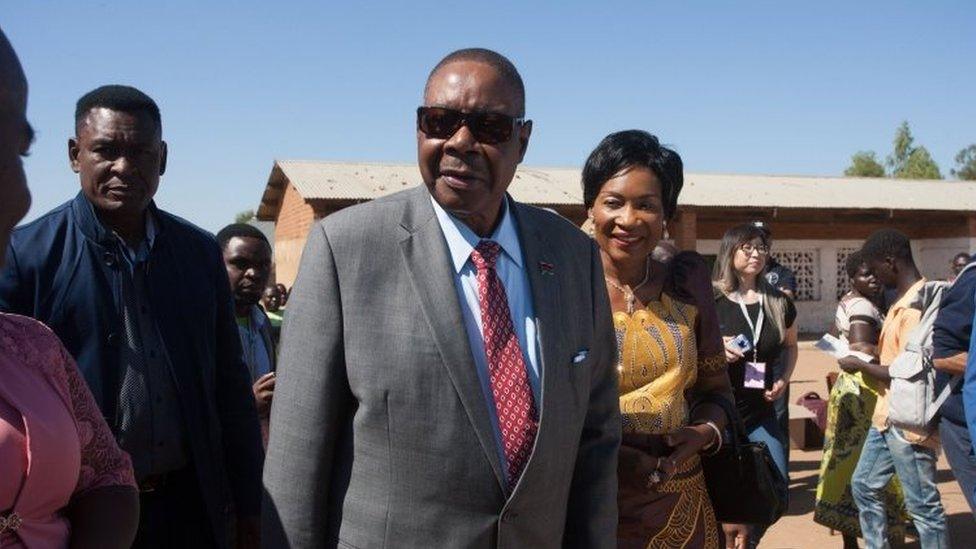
{"points": [[546, 268]]}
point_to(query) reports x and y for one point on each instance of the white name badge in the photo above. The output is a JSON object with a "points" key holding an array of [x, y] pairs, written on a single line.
{"points": [[755, 377]]}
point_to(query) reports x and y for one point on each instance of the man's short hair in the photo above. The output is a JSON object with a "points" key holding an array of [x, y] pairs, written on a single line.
{"points": [[495, 60], [240, 230], [117, 98], [962, 255], [853, 263], [887, 243]]}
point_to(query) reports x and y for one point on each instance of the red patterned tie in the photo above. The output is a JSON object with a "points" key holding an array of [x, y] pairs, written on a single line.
{"points": [[514, 404]]}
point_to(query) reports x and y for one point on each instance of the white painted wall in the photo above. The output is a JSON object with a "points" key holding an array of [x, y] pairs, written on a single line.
{"points": [[933, 255], [814, 317]]}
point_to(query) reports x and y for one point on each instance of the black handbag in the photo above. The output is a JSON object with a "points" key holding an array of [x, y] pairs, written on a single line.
{"points": [[742, 479]]}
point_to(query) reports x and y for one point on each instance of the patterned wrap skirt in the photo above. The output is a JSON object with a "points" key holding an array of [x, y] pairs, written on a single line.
{"points": [[672, 514], [849, 410]]}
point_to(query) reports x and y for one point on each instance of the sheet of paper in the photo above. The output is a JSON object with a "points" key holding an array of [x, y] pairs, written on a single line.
{"points": [[839, 349]]}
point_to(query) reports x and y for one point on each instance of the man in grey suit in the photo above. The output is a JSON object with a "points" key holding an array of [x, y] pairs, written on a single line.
{"points": [[447, 373]]}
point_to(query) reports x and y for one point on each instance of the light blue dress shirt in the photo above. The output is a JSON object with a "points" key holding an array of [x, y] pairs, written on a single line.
{"points": [[461, 241]]}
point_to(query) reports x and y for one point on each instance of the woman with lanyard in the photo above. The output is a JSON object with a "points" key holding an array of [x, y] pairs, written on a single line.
{"points": [[757, 322]]}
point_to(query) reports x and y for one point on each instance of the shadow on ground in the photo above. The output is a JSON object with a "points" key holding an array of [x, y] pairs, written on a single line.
{"points": [[803, 486]]}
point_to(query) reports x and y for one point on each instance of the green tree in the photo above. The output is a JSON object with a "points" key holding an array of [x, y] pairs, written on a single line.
{"points": [[907, 161], [865, 164], [244, 217], [920, 166], [966, 164], [904, 142]]}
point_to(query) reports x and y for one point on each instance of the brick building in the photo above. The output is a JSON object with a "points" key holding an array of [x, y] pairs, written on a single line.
{"points": [[816, 221]]}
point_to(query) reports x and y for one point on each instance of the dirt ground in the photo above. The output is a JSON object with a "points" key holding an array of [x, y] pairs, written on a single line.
{"points": [[797, 529]]}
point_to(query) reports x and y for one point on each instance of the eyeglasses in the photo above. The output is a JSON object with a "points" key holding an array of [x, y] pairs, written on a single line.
{"points": [[488, 128], [749, 248]]}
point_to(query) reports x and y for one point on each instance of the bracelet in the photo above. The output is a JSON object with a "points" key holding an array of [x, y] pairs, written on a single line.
{"points": [[718, 438]]}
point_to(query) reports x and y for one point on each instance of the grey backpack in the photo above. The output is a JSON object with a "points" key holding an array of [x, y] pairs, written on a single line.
{"points": [[912, 402]]}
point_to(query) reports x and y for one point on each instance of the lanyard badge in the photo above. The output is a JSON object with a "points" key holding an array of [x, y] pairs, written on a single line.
{"points": [[755, 372]]}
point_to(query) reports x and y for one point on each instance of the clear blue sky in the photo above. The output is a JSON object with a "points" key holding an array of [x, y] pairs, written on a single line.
{"points": [[742, 87]]}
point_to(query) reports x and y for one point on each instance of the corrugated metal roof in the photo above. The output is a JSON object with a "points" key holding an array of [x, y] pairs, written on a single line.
{"points": [[776, 191], [561, 186]]}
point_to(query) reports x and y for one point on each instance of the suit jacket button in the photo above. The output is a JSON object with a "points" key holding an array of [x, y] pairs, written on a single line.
{"points": [[113, 339]]}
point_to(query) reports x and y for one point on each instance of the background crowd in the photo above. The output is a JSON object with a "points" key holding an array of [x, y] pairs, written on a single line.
{"points": [[455, 368]]}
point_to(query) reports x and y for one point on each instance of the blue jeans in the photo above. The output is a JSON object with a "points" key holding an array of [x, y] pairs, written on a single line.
{"points": [[782, 407], [959, 452], [885, 454], [769, 432]]}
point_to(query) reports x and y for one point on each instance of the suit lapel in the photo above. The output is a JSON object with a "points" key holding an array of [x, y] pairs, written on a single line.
{"points": [[425, 256], [543, 274]]}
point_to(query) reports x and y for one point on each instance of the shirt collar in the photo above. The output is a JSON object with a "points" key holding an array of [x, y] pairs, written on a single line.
{"points": [[151, 229], [909, 297], [461, 240], [253, 320], [257, 316], [141, 252]]}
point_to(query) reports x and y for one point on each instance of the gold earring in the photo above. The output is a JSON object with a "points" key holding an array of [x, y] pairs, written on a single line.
{"points": [[590, 230], [667, 236]]}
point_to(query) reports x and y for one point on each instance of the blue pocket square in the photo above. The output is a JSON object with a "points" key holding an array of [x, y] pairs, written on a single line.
{"points": [[580, 356]]}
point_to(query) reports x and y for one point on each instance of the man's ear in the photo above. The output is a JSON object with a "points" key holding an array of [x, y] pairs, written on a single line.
{"points": [[892, 263], [163, 152], [73, 154], [525, 131]]}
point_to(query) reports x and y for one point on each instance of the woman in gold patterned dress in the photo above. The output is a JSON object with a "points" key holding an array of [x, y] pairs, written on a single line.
{"points": [[670, 349]]}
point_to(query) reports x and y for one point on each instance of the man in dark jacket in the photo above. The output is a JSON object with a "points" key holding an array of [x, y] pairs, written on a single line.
{"points": [[950, 351], [140, 298], [247, 255]]}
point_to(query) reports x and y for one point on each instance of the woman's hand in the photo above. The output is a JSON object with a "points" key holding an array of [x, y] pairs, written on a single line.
{"points": [[685, 442], [736, 535], [731, 353], [779, 387]]}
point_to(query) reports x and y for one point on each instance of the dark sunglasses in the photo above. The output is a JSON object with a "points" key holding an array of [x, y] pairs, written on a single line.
{"points": [[488, 128]]}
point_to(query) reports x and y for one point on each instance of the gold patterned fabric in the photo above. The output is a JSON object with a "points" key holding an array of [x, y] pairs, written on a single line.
{"points": [[660, 360]]}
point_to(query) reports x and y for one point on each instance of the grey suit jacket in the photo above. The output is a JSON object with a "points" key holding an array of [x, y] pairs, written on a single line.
{"points": [[380, 434]]}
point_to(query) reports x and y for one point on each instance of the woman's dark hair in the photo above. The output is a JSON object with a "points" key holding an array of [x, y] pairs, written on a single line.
{"points": [[723, 273], [634, 149], [853, 264], [725, 279]]}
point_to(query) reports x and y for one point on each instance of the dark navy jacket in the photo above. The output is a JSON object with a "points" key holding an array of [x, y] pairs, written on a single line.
{"points": [[63, 269], [950, 336]]}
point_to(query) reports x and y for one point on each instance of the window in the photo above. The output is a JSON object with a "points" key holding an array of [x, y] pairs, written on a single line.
{"points": [[805, 264], [843, 282]]}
